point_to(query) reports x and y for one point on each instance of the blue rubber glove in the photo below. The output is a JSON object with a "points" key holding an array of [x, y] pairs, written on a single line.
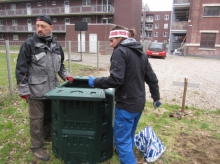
{"points": [[156, 104], [91, 81]]}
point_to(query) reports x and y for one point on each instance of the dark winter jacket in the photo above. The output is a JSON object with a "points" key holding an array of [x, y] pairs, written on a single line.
{"points": [[37, 66], [129, 71]]}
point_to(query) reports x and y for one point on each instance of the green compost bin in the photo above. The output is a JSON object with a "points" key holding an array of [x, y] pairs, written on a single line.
{"points": [[82, 122]]}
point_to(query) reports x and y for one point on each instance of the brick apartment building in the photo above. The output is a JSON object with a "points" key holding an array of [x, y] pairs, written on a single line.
{"points": [[195, 27], [157, 26], [18, 18]]}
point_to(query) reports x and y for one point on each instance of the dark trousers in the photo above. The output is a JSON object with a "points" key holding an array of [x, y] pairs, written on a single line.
{"points": [[40, 122]]}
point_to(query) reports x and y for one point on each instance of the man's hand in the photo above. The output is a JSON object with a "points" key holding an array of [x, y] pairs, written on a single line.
{"points": [[25, 97], [70, 78], [156, 104], [91, 81]]}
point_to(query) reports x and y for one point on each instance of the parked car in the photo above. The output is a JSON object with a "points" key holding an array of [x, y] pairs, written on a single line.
{"points": [[156, 49]]}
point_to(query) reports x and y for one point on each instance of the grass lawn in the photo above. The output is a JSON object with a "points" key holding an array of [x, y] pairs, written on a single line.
{"points": [[193, 139]]}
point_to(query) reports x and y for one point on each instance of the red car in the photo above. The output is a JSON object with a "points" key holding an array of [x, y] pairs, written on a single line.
{"points": [[156, 49]]}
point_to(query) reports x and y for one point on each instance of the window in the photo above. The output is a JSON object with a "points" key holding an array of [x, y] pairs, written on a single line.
{"points": [[157, 26], [54, 3], [86, 2], [13, 6], [165, 34], [38, 3], [156, 34], [15, 37], [1, 22], [149, 34], [106, 20], [88, 20], [54, 19], [207, 40], [166, 17], [149, 18], [67, 20], [14, 22], [165, 26], [0, 7], [157, 17], [1, 37], [149, 26], [211, 10]]}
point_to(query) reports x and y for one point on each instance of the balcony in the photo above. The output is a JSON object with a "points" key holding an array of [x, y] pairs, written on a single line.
{"points": [[31, 29], [181, 2], [74, 10], [148, 28], [179, 26]]}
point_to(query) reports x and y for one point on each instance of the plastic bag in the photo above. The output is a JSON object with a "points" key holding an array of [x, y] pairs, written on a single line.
{"points": [[149, 144]]}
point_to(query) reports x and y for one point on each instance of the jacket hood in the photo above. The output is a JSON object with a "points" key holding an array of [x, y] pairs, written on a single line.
{"points": [[133, 44]]}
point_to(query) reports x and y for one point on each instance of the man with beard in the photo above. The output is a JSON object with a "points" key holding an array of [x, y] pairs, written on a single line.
{"points": [[39, 61]]}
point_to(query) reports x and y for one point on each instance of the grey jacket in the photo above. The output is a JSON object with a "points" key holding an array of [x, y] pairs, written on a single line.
{"points": [[37, 67]]}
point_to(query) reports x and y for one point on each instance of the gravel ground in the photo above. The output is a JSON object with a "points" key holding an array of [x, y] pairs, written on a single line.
{"points": [[205, 71]]}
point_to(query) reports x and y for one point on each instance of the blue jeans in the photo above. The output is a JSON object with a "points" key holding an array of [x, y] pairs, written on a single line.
{"points": [[125, 125]]}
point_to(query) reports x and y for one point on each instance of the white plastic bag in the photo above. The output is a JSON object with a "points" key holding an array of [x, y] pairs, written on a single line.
{"points": [[149, 144]]}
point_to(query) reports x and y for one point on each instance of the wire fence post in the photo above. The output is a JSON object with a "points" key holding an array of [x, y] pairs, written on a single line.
{"points": [[69, 54], [9, 66], [98, 45]]}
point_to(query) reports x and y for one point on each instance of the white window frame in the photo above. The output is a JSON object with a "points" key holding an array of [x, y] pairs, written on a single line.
{"points": [[13, 6], [166, 17], [54, 3], [86, 2], [15, 37], [88, 20], [14, 22], [67, 20], [148, 34], [149, 18], [155, 34], [1, 22], [156, 26], [106, 20], [54, 19], [157, 17], [38, 3], [166, 26], [165, 34], [1, 36]]}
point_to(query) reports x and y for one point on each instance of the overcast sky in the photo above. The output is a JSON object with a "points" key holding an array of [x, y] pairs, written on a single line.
{"points": [[159, 5]]}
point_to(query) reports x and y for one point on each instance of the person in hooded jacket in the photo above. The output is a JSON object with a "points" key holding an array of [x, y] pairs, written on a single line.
{"points": [[39, 61], [129, 71]]}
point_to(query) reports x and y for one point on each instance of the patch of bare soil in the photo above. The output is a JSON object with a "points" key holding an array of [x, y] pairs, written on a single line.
{"points": [[198, 147]]}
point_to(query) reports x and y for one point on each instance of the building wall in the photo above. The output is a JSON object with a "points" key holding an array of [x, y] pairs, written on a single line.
{"points": [[161, 23], [102, 32], [127, 13], [198, 22]]}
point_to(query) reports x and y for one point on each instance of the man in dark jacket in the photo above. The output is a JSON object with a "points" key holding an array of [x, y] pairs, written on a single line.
{"points": [[39, 61], [129, 71]]}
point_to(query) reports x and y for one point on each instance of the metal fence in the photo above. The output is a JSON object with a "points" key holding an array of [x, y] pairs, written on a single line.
{"points": [[94, 54]]}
